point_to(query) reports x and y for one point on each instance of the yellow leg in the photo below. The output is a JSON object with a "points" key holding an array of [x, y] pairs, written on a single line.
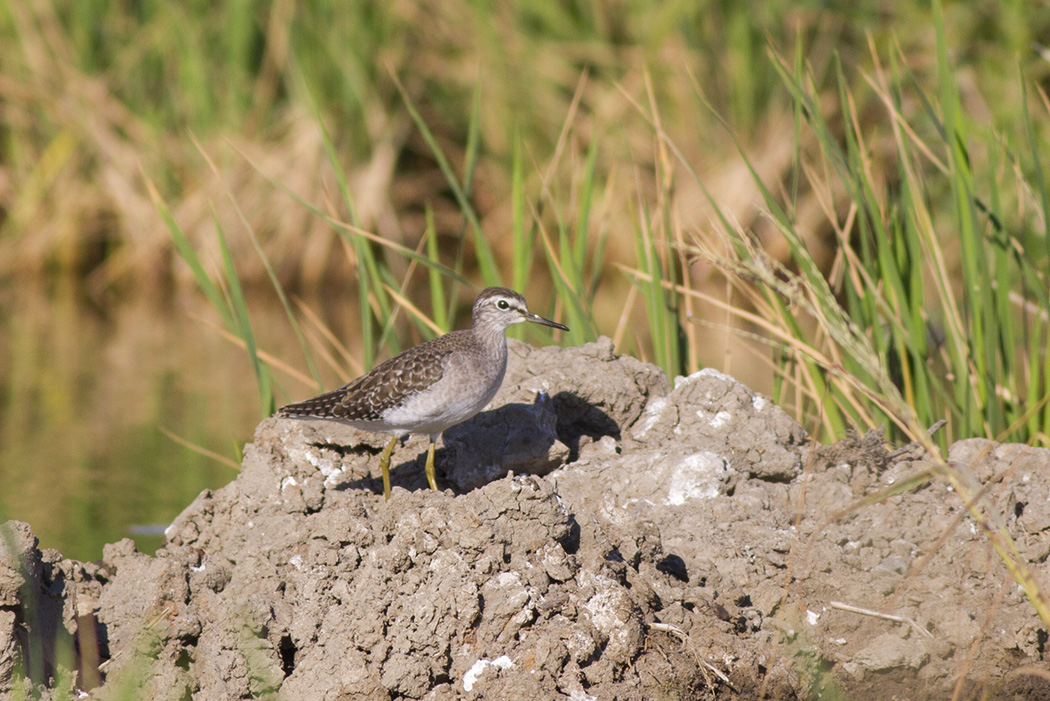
{"points": [[429, 467], [384, 465]]}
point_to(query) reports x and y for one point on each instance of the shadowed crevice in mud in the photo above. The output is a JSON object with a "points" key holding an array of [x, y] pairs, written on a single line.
{"points": [[675, 566], [578, 418], [287, 650], [678, 550]]}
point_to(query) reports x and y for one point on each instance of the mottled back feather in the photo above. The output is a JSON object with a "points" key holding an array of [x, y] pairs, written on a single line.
{"points": [[386, 386]]}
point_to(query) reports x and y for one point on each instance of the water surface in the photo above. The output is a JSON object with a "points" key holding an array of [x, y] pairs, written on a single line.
{"points": [[85, 391]]}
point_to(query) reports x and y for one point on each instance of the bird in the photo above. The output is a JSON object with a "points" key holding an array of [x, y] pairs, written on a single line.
{"points": [[430, 387]]}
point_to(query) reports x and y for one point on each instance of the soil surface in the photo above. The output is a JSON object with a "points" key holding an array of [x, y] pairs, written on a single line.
{"points": [[655, 541]]}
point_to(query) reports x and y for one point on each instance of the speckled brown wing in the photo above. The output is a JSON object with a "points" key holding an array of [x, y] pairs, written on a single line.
{"points": [[388, 385]]}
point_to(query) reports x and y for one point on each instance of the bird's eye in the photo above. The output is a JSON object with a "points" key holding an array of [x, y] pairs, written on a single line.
{"points": [[502, 304]]}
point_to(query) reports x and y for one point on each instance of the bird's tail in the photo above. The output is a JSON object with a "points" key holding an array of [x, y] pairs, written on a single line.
{"points": [[323, 406]]}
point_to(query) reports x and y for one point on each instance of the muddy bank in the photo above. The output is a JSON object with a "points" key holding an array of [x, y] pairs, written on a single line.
{"points": [[655, 541]]}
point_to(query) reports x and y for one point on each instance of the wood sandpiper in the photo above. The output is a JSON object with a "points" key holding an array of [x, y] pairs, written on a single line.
{"points": [[432, 386]]}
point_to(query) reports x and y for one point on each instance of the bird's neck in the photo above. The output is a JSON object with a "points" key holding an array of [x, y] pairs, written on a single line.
{"points": [[493, 339]]}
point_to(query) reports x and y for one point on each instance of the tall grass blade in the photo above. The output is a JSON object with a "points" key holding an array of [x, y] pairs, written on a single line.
{"points": [[486, 260], [521, 252], [189, 255], [438, 308], [243, 326]]}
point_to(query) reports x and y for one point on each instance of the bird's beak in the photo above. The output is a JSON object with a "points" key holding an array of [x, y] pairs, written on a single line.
{"points": [[537, 319]]}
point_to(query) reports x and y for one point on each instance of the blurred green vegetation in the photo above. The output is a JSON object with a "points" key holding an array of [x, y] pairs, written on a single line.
{"points": [[96, 92]]}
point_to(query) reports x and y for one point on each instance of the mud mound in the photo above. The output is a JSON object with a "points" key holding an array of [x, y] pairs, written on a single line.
{"points": [[653, 542]]}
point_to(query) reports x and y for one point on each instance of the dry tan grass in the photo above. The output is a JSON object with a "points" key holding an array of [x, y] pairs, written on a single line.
{"points": [[75, 197]]}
